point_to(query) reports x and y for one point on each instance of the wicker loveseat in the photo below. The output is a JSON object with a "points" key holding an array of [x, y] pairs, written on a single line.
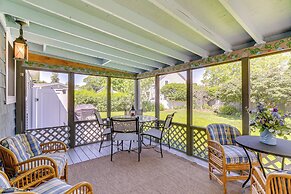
{"points": [[225, 156], [41, 180], [22, 152]]}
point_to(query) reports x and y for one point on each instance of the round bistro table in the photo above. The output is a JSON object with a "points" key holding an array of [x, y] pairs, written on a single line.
{"points": [[142, 118], [282, 149]]}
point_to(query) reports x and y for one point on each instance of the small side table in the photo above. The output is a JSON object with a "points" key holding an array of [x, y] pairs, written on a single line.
{"points": [[282, 149]]}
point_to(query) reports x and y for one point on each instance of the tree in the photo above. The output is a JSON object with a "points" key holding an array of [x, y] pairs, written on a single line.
{"points": [[145, 86], [94, 83], [174, 91], [55, 78], [270, 80]]}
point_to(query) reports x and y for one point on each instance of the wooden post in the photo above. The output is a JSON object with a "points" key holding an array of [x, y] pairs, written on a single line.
{"points": [[108, 97], [20, 98], [137, 99], [245, 63], [71, 109], [189, 139], [157, 97]]}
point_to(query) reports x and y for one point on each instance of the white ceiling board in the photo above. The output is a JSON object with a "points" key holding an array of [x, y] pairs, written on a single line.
{"points": [[270, 16], [215, 16]]}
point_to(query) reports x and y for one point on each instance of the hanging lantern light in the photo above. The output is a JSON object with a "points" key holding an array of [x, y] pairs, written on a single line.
{"points": [[20, 49]]}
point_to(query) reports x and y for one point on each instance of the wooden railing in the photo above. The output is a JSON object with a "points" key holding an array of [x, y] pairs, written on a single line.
{"points": [[48, 134]]}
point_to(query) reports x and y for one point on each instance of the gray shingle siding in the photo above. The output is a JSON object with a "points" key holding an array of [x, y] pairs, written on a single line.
{"points": [[7, 111]]}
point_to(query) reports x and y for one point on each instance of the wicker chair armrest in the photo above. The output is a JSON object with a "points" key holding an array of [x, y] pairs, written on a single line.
{"points": [[216, 148], [33, 177], [82, 187], [7, 155], [258, 181], [35, 162], [54, 146]]}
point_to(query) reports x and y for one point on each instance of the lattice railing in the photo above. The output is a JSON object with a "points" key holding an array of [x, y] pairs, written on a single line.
{"points": [[48, 134], [178, 135], [87, 132], [275, 162], [200, 149]]}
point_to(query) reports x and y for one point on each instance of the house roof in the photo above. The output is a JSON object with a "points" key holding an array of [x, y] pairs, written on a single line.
{"points": [[178, 74], [40, 85], [142, 36]]}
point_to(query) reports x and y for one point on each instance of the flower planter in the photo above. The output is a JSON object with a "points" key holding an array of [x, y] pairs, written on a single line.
{"points": [[268, 138]]}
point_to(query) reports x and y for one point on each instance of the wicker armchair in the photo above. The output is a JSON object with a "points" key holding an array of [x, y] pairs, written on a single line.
{"points": [[225, 156], [23, 152], [42, 179], [276, 183]]}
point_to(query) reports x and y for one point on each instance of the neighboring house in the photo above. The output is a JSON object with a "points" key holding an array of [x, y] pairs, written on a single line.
{"points": [[46, 104], [164, 80]]}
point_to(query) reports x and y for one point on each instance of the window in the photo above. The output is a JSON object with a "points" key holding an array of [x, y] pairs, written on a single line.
{"points": [[173, 96], [122, 96], [90, 97], [46, 99], [217, 95], [147, 93], [271, 82]]}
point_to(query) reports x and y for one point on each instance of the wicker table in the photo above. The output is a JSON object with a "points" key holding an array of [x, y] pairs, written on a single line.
{"points": [[253, 143]]}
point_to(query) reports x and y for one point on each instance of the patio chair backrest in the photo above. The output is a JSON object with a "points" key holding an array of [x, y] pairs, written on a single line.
{"points": [[278, 183], [24, 146], [168, 121], [99, 118], [124, 125], [223, 133]]}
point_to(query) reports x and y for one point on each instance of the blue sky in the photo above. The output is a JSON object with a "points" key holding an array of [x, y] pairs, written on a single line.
{"points": [[46, 76]]}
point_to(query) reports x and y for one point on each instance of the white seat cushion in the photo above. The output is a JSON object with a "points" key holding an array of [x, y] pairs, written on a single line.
{"points": [[125, 137], [153, 132], [107, 131]]}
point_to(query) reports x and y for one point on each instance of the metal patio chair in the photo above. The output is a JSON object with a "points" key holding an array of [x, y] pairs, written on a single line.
{"points": [[105, 132], [125, 129], [158, 130]]}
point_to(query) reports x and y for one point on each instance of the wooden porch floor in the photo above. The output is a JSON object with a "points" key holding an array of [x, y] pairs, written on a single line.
{"points": [[91, 151]]}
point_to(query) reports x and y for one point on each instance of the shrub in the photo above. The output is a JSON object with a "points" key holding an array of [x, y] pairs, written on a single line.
{"points": [[228, 110], [148, 106]]}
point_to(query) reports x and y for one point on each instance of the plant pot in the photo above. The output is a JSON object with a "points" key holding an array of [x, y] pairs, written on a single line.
{"points": [[268, 138]]}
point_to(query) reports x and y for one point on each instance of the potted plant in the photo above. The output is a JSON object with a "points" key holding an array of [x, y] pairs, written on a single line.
{"points": [[270, 123]]}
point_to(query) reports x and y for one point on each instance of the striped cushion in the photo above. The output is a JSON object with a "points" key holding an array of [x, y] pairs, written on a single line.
{"points": [[16, 146], [34, 145], [60, 159], [237, 155], [4, 183], [53, 186], [223, 133]]}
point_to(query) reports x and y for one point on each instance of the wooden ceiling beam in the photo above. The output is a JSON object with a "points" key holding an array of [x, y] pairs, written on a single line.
{"points": [[240, 13], [126, 14], [174, 9], [145, 46], [41, 59]]}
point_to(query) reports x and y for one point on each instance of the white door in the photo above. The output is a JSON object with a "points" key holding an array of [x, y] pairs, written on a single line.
{"points": [[49, 109]]}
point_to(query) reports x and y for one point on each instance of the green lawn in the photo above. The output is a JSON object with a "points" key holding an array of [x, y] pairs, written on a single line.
{"points": [[201, 118]]}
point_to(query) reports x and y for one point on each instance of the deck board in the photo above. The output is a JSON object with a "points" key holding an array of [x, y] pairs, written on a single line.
{"points": [[73, 155], [88, 152], [91, 151], [83, 157]]}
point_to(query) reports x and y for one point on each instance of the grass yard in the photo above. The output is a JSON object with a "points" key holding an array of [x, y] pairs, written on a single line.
{"points": [[201, 118]]}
